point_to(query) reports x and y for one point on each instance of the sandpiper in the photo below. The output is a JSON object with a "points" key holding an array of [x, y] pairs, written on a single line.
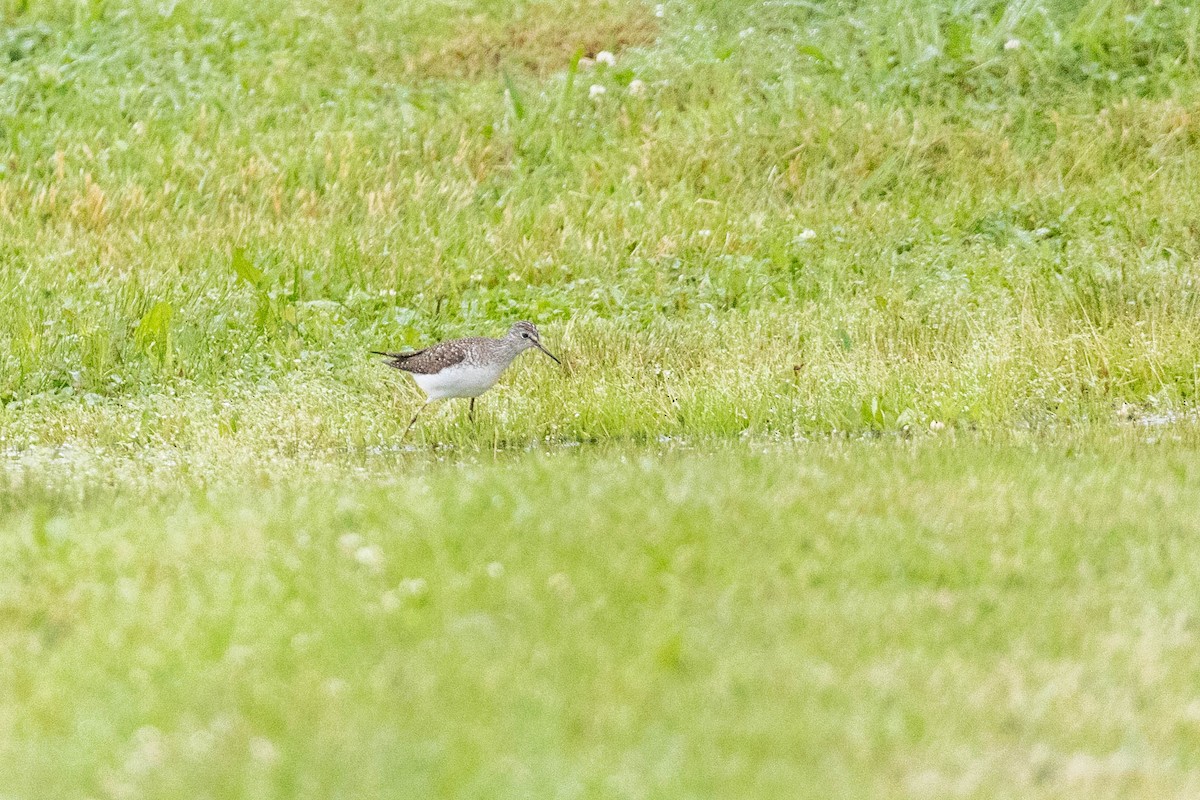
{"points": [[464, 367]]}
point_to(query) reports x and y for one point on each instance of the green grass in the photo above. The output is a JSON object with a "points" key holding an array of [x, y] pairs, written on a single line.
{"points": [[202, 200], [869, 471], [831, 620]]}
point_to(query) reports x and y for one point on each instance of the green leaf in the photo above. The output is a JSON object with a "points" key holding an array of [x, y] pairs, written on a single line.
{"points": [[957, 34], [154, 331], [812, 52], [155, 323], [514, 96], [817, 54], [572, 71], [245, 268], [263, 317]]}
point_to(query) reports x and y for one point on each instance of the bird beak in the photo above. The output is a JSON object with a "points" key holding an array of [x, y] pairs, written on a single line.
{"points": [[538, 345]]}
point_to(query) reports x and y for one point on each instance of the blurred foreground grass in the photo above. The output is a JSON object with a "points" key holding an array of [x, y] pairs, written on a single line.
{"points": [[857, 620]]}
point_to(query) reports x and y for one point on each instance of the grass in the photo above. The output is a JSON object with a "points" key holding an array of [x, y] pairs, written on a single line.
{"points": [[862, 620], [868, 472], [1000, 237]]}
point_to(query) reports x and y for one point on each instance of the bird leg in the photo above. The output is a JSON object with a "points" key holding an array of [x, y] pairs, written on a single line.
{"points": [[414, 419], [471, 411]]}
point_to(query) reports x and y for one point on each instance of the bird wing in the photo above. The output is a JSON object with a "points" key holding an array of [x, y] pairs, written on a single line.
{"points": [[428, 361]]}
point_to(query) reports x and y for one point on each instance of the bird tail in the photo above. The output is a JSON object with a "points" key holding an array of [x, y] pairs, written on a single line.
{"points": [[395, 359]]}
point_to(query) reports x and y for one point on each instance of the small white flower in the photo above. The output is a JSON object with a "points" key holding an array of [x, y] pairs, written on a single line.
{"points": [[413, 587], [560, 584], [302, 641], [637, 88], [370, 557], [495, 569], [201, 741], [704, 232], [389, 601], [149, 750], [606, 58], [239, 654], [806, 234], [1012, 44], [263, 750], [660, 11], [597, 91]]}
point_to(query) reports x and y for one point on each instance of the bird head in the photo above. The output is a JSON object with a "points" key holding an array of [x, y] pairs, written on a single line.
{"points": [[526, 336]]}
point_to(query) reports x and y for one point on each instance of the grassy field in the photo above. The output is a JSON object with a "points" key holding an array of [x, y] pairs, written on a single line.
{"points": [[870, 471], [832, 620]]}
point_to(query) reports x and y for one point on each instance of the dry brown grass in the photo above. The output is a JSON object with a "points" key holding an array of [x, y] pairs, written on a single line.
{"points": [[541, 38]]}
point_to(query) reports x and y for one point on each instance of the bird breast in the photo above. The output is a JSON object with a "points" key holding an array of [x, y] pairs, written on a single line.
{"points": [[461, 380]]}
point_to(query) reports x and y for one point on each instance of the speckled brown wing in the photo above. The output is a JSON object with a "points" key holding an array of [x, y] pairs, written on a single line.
{"points": [[429, 361]]}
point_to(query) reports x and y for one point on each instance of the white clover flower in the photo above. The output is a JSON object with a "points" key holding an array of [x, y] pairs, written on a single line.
{"points": [[370, 557], [263, 750], [596, 92], [1012, 44], [201, 741], [239, 654], [561, 585], [637, 88], [606, 58], [389, 601], [149, 750], [413, 587]]}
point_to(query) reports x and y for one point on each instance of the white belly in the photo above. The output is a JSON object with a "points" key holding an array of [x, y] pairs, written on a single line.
{"points": [[459, 381]]}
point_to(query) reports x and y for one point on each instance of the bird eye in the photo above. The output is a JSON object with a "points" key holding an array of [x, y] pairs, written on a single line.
{"points": [[526, 335]]}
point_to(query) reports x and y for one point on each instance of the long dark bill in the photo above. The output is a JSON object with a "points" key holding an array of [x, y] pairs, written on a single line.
{"points": [[538, 345]]}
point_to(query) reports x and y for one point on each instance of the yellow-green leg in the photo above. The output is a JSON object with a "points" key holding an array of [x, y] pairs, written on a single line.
{"points": [[413, 421]]}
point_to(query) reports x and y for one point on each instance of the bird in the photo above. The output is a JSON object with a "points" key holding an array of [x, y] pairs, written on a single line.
{"points": [[464, 367]]}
